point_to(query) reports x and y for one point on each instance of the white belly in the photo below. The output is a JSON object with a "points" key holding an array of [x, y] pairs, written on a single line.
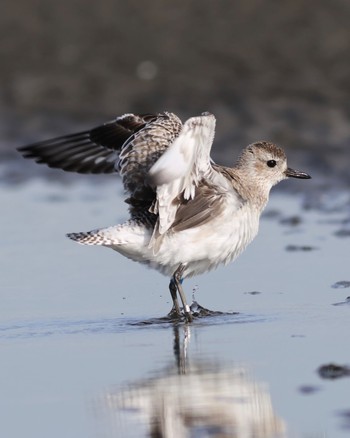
{"points": [[201, 248], [205, 247]]}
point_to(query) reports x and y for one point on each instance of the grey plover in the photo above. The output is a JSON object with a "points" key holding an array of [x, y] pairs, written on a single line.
{"points": [[188, 215]]}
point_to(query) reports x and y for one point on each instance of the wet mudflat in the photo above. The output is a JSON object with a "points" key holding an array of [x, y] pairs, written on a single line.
{"points": [[84, 354]]}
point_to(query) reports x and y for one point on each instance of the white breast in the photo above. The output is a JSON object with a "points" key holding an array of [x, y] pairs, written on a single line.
{"points": [[205, 247]]}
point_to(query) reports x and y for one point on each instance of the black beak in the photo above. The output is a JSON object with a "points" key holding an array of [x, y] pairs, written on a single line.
{"points": [[291, 173]]}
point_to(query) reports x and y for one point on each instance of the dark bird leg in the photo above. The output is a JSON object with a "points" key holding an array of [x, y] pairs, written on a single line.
{"points": [[176, 286], [173, 291]]}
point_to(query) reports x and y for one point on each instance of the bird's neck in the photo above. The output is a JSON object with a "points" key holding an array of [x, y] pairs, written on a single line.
{"points": [[252, 190]]}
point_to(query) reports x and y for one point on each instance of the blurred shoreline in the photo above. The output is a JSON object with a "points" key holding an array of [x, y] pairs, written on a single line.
{"points": [[278, 72]]}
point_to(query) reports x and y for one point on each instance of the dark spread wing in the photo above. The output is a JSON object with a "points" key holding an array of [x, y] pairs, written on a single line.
{"points": [[93, 151]]}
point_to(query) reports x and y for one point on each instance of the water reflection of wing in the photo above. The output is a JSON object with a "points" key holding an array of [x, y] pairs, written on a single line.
{"points": [[206, 401]]}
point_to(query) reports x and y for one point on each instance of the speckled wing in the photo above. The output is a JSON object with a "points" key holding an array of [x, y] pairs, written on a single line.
{"points": [[97, 150], [142, 150], [181, 167]]}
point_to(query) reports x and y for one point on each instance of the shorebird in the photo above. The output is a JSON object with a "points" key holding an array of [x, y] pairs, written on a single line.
{"points": [[188, 215]]}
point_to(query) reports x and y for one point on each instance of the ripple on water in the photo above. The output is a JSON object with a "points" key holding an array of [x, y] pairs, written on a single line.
{"points": [[63, 327], [203, 316]]}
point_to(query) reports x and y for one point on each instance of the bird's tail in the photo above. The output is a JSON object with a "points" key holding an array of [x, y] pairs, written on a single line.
{"points": [[103, 236]]}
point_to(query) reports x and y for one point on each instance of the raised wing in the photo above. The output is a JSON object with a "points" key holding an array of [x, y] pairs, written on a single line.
{"points": [[142, 150], [180, 169], [93, 151]]}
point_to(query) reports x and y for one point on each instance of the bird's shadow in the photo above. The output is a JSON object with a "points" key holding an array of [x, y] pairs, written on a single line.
{"points": [[198, 313]]}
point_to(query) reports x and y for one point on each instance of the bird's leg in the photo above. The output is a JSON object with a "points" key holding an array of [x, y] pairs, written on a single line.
{"points": [[173, 292], [177, 278]]}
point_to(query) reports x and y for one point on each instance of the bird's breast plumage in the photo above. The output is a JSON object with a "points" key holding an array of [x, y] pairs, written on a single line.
{"points": [[204, 248]]}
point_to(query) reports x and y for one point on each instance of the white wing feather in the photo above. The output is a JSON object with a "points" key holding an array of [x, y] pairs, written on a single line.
{"points": [[181, 166]]}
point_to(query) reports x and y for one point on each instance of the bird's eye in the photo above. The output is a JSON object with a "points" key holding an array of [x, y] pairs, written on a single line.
{"points": [[271, 163]]}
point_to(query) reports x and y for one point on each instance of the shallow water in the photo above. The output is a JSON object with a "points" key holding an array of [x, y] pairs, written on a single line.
{"points": [[83, 356]]}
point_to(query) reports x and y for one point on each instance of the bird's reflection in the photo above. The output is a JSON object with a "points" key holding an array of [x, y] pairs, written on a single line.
{"points": [[195, 399]]}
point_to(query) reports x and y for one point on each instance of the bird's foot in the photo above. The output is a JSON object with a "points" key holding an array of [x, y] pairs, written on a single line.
{"points": [[180, 314]]}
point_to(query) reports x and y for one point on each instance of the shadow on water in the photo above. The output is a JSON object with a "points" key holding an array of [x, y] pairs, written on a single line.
{"points": [[62, 327], [203, 316], [213, 318], [198, 312]]}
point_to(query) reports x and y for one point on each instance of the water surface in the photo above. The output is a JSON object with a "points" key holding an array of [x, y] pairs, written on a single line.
{"points": [[78, 359]]}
